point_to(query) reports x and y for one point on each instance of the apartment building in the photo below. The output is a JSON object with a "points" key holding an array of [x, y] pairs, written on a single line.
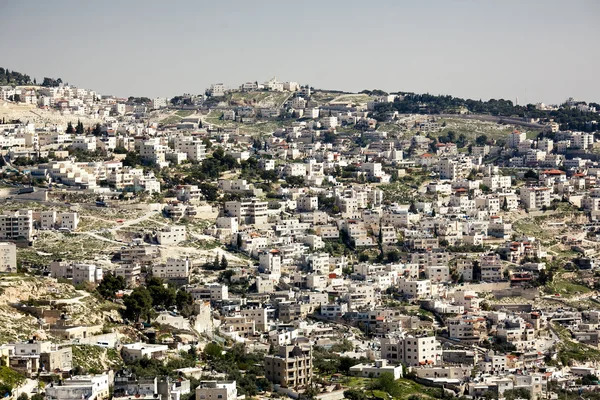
{"points": [[194, 148], [139, 350], [376, 369], [77, 272], [174, 268], [515, 330], [581, 140], [140, 253], [465, 328], [388, 235], [16, 225], [85, 143], [414, 288], [172, 234], [130, 273], [307, 203], [269, 262], [360, 297], [290, 367], [492, 268], [259, 315], [239, 326], [210, 292], [89, 387], [515, 138], [189, 193], [68, 221], [534, 198], [496, 182], [153, 152], [247, 211], [8, 257], [412, 351]]}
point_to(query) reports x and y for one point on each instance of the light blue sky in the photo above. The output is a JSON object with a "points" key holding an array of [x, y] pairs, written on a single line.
{"points": [[536, 50]]}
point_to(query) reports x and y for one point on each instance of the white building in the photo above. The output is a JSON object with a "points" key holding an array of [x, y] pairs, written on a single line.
{"points": [[415, 288], [17, 225], [8, 257], [77, 272], [172, 234], [412, 351], [137, 351], [535, 197], [194, 148], [89, 387], [159, 102], [376, 369], [213, 390], [329, 122], [174, 268], [515, 138]]}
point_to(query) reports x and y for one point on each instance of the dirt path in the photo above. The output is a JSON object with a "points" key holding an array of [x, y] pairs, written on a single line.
{"points": [[131, 222]]}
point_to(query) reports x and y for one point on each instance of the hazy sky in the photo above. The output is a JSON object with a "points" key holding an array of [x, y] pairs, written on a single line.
{"points": [[534, 50]]}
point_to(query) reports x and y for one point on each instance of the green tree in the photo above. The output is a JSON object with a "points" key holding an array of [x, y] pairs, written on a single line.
{"points": [[138, 304], [519, 393], [346, 363], [212, 352], [9, 380], [531, 174], [97, 130], [162, 294], [329, 137], [393, 256], [110, 284], [355, 394], [132, 159], [79, 128], [224, 263], [481, 140], [209, 191], [295, 181], [388, 384], [451, 137], [184, 302], [589, 379], [70, 128]]}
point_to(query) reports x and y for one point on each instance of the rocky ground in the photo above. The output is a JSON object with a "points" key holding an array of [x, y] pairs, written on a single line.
{"points": [[31, 113], [82, 307]]}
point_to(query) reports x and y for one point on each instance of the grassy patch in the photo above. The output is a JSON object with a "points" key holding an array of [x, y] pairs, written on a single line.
{"points": [[568, 350], [357, 99], [566, 287], [323, 97], [530, 227], [52, 246], [184, 113], [473, 128], [259, 98], [94, 358], [404, 190], [171, 119]]}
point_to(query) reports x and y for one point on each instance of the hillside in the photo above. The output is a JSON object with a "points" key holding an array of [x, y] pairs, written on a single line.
{"points": [[14, 78], [82, 307], [8, 77]]}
